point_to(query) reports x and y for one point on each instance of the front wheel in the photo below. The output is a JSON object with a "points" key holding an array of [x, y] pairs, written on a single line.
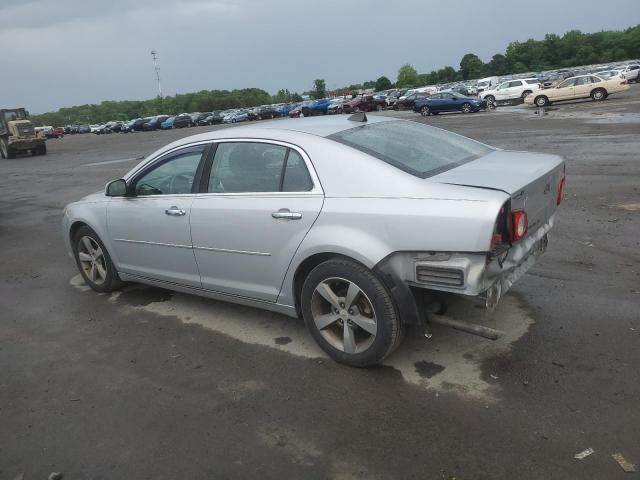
{"points": [[94, 262], [599, 94], [490, 99], [350, 313], [466, 108], [425, 112], [541, 101]]}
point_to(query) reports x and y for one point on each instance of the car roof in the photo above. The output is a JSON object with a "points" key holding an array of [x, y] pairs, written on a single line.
{"points": [[322, 126]]}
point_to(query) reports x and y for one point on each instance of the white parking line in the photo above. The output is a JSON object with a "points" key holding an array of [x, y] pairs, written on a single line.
{"points": [[108, 162]]}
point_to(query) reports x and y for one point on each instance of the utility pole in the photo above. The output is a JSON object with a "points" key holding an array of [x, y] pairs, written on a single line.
{"points": [[156, 67]]}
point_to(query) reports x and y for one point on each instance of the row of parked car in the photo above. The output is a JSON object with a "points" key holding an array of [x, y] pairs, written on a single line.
{"points": [[468, 96]]}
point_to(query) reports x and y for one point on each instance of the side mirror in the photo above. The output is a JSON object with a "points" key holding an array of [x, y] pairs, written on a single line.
{"points": [[116, 188]]}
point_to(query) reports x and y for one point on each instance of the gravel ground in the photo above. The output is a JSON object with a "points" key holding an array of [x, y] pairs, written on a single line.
{"points": [[151, 384]]}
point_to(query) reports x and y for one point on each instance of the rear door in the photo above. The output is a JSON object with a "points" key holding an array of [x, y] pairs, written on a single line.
{"points": [[263, 197], [583, 87]]}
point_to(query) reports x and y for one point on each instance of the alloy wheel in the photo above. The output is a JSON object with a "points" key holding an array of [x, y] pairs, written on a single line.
{"points": [[92, 261], [344, 315]]}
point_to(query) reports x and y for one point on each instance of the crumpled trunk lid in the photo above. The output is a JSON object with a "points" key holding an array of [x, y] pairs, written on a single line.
{"points": [[530, 179]]}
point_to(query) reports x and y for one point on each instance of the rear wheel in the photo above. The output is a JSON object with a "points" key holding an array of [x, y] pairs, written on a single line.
{"points": [[598, 94], [40, 150], [350, 313], [490, 99], [525, 93], [94, 262], [466, 107]]}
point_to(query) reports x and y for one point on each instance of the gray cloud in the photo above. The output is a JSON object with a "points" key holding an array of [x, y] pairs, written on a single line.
{"points": [[89, 51]]}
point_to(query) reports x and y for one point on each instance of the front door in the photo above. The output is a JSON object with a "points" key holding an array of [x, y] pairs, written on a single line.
{"points": [[566, 90], [262, 201], [150, 230]]}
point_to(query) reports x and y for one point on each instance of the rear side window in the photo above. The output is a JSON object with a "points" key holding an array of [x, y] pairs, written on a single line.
{"points": [[416, 148], [296, 177], [249, 167], [532, 82], [515, 83]]}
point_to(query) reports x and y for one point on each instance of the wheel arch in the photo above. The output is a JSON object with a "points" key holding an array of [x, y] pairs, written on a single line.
{"points": [[405, 303]]}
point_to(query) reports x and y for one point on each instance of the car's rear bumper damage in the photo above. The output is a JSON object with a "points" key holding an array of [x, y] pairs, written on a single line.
{"points": [[411, 276]]}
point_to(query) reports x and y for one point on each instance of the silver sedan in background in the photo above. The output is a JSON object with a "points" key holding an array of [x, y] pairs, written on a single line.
{"points": [[349, 223]]}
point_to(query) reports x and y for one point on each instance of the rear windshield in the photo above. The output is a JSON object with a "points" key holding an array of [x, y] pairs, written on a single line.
{"points": [[416, 148]]}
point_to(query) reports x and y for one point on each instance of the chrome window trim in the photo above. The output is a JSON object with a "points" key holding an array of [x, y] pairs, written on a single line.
{"points": [[152, 161], [317, 189]]}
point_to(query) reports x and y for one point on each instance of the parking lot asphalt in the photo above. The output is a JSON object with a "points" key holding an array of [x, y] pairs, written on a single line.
{"points": [[146, 383]]}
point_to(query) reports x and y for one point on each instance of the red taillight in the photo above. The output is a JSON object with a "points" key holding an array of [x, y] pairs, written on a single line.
{"points": [[519, 224], [560, 190]]}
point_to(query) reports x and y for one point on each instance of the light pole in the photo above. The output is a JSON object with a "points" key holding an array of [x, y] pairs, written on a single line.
{"points": [[156, 67]]}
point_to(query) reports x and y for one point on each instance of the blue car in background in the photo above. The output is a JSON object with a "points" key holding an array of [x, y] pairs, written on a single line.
{"points": [[448, 102], [283, 110], [168, 123], [317, 107]]}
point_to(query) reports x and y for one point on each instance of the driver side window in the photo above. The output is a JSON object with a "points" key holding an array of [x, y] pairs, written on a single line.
{"points": [[174, 176]]}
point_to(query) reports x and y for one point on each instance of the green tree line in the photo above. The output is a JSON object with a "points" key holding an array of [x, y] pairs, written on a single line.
{"points": [[571, 49], [202, 101]]}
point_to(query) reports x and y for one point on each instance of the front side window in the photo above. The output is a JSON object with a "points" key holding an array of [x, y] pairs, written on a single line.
{"points": [[414, 147], [247, 167], [174, 176], [568, 83]]}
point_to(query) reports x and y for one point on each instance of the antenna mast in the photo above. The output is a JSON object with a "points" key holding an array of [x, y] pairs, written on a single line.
{"points": [[156, 67]]}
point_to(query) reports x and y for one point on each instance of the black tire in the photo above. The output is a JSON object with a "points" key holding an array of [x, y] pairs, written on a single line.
{"points": [[425, 112], [525, 93], [466, 107], [490, 99], [388, 326], [541, 101], [598, 94], [7, 151], [112, 281], [40, 150]]}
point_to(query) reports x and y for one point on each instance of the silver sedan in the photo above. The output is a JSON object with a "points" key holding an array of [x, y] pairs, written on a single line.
{"points": [[348, 222]]}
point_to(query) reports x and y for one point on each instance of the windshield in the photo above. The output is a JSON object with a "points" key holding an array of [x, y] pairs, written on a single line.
{"points": [[416, 148], [18, 114]]}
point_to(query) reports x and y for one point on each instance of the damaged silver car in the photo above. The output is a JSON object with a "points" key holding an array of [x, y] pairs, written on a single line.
{"points": [[350, 223]]}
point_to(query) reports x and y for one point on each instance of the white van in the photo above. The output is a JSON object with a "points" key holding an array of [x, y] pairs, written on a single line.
{"points": [[488, 83]]}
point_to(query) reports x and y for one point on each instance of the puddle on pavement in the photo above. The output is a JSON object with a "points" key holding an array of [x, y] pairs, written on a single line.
{"points": [[589, 117], [451, 361]]}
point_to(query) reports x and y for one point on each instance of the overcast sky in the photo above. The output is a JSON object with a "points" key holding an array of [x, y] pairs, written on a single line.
{"points": [[58, 53]]}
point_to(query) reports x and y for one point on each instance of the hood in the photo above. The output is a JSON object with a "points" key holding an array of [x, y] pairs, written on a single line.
{"points": [[502, 170], [94, 197]]}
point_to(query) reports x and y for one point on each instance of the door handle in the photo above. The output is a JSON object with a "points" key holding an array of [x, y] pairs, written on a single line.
{"points": [[286, 214], [175, 211]]}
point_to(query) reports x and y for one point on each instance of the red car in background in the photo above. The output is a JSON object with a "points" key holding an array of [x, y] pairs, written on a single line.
{"points": [[365, 103], [55, 132]]}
